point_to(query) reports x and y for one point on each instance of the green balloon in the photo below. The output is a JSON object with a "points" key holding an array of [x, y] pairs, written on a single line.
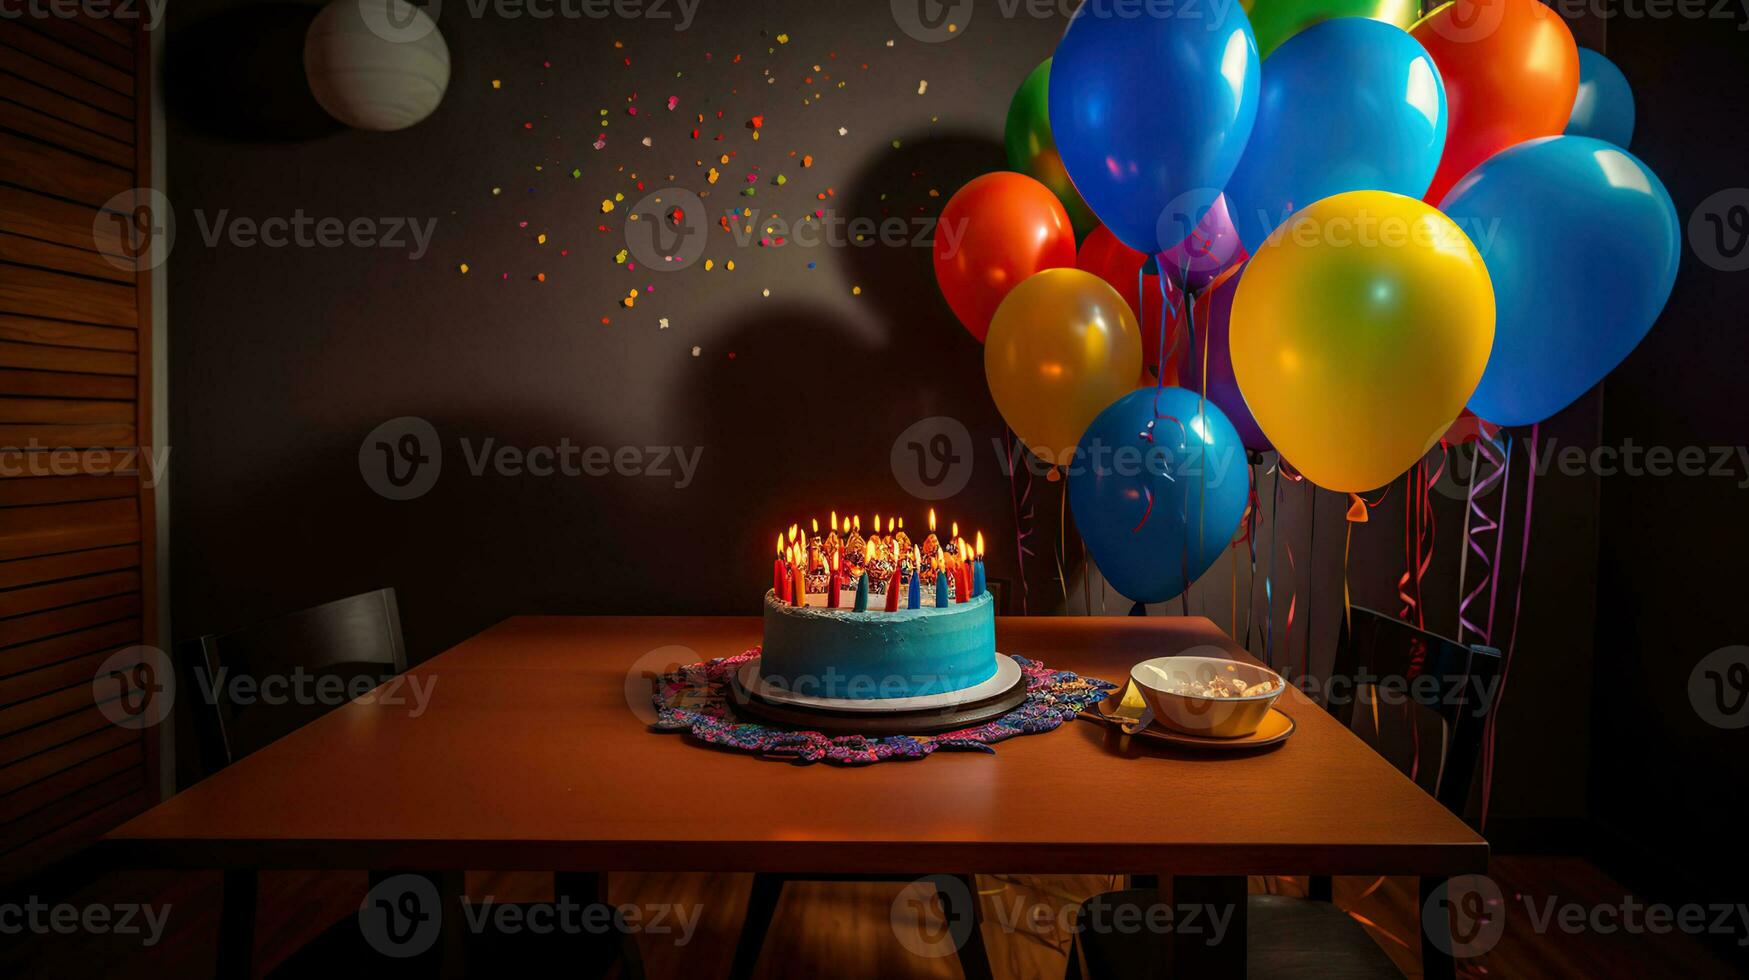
{"points": [[1274, 21], [1033, 152]]}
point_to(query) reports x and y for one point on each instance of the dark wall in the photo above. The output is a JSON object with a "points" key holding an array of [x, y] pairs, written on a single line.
{"points": [[1670, 571], [284, 360]]}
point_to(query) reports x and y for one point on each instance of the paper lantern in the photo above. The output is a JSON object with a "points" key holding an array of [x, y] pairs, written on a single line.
{"points": [[376, 64]]}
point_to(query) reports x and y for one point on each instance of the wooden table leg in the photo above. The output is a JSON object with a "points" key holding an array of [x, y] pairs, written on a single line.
{"points": [[1207, 938], [586, 888], [1436, 962], [236, 952], [761, 909], [974, 957]]}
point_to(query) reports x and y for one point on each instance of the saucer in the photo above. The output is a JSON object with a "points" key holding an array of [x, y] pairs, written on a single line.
{"points": [[1128, 707]]}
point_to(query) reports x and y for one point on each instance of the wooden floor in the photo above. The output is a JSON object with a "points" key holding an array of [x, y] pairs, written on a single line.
{"points": [[845, 930]]}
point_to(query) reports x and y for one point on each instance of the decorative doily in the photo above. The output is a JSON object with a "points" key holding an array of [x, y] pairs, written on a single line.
{"points": [[694, 699]]}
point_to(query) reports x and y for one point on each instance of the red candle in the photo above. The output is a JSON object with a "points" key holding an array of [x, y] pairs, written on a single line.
{"points": [[780, 574], [832, 585], [893, 590], [962, 583], [799, 584]]}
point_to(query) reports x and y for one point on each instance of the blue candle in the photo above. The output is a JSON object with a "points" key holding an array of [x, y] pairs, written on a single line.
{"points": [[862, 593], [915, 598], [941, 596], [978, 577]]}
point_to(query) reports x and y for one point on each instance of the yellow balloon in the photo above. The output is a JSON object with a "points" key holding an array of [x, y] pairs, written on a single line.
{"points": [[1359, 330], [1062, 347]]}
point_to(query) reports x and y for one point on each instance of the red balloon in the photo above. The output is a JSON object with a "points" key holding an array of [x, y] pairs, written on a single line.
{"points": [[995, 232], [1110, 259], [1469, 427], [1511, 72]]}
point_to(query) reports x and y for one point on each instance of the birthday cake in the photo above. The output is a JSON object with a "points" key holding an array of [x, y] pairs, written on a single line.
{"points": [[880, 617]]}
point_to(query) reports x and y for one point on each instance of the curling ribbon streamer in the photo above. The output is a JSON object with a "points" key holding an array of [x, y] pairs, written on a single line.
{"points": [[1022, 520], [1483, 479], [1512, 642]]}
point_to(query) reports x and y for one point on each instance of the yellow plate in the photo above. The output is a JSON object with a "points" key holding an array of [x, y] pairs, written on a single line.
{"points": [[1121, 708]]}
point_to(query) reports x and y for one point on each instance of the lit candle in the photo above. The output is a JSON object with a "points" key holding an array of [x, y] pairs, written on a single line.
{"points": [[915, 598], [893, 586], [833, 584], [780, 574], [862, 593], [978, 583], [942, 597], [962, 580], [799, 580]]}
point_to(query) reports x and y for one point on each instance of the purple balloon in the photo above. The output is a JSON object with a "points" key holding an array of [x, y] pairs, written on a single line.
{"points": [[1213, 324], [1211, 249]]}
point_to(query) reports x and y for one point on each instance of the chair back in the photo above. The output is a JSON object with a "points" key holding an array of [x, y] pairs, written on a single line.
{"points": [[1426, 699], [262, 682]]}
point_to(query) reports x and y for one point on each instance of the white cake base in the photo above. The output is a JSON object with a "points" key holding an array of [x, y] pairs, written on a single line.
{"points": [[1006, 676]]}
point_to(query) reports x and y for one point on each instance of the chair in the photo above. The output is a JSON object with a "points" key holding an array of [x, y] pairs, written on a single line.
{"points": [[1446, 693], [356, 640], [974, 959]]}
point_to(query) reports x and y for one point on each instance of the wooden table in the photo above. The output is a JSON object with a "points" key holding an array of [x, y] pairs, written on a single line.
{"points": [[529, 756]]}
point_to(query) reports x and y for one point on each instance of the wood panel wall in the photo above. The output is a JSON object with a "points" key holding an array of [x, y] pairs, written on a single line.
{"points": [[76, 497]]}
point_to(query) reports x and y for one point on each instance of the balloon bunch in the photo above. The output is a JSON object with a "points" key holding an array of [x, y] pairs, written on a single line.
{"points": [[1342, 227]]}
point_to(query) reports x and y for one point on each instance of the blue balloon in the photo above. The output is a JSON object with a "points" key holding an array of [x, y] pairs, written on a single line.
{"points": [[1582, 242], [1151, 111], [1604, 108], [1349, 104], [1159, 484]]}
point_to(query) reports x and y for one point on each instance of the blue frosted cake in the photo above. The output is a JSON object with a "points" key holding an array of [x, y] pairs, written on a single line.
{"points": [[841, 653], [877, 618]]}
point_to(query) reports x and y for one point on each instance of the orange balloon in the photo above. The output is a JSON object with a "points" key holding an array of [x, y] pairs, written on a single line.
{"points": [[995, 232], [1511, 72]]}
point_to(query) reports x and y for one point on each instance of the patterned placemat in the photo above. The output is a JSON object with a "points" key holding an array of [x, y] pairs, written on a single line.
{"points": [[695, 700]]}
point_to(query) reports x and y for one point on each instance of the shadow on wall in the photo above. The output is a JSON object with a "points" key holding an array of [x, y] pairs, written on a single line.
{"points": [[239, 75]]}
